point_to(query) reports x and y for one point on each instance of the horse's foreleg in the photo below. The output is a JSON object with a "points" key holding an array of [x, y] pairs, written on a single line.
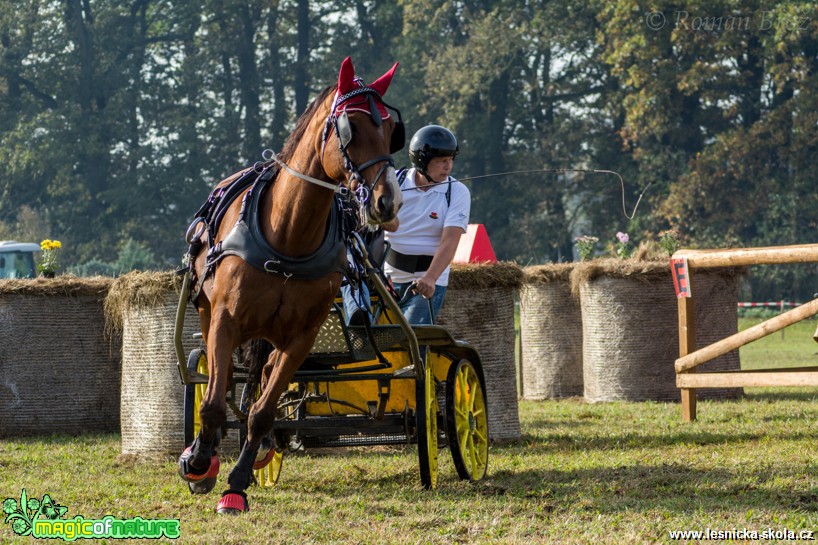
{"points": [[196, 463], [280, 368]]}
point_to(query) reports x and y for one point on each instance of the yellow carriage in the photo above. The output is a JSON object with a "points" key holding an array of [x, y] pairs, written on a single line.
{"points": [[388, 383]]}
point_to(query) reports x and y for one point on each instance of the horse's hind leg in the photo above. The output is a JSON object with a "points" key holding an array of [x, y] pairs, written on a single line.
{"points": [[280, 368]]}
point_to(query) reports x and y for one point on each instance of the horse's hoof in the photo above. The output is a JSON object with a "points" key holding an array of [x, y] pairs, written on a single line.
{"points": [[263, 461], [192, 476], [202, 487], [233, 502]]}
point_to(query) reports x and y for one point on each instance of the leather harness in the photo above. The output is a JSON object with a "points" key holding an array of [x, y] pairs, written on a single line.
{"points": [[246, 240]]}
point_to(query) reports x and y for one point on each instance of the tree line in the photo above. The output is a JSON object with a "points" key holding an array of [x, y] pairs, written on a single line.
{"points": [[117, 116]]}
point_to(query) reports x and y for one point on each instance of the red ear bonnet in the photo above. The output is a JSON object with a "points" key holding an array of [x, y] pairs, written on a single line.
{"points": [[347, 83], [346, 78], [382, 83]]}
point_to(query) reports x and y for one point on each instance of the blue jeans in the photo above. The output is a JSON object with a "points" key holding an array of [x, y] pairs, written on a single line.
{"points": [[356, 304], [416, 308]]}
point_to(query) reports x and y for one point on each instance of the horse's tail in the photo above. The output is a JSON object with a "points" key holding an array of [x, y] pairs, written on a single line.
{"points": [[254, 355]]}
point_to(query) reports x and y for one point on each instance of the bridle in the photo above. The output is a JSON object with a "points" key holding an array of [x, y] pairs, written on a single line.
{"points": [[343, 132]]}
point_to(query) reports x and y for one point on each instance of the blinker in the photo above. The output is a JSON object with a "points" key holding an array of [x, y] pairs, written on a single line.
{"points": [[374, 111], [398, 136], [344, 129]]}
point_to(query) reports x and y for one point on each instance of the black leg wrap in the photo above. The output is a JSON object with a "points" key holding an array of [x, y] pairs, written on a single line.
{"points": [[242, 475]]}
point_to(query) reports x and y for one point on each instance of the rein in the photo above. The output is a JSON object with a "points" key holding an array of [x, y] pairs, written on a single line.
{"points": [[559, 171], [270, 155], [361, 192], [344, 135], [343, 132]]}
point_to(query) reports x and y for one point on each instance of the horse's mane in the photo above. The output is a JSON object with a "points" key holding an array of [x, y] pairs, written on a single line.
{"points": [[302, 123]]}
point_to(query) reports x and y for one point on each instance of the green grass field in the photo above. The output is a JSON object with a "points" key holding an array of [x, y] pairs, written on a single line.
{"points": [[602, 473], [790, 347]]}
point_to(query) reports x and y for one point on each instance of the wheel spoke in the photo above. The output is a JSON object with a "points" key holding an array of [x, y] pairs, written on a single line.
{"points": [[464, 442], [473, 380], [472, 457]]}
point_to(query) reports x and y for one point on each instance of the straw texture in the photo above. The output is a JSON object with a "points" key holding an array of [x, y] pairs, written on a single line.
{"points": [[59, 373], [152, 393], [551, 334], [143, 305], [630, 332], [479, 309]]}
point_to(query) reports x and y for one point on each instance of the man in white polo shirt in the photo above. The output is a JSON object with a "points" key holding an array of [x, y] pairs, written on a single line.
{"points": [[434, 215]]}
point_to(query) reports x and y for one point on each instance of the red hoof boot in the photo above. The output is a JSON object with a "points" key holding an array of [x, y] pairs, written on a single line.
{"points": [[233, 502], [190, 475], [263, 462]]}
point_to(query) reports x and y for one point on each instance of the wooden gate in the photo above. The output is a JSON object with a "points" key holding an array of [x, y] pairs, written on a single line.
{"points": [[685, 263]]}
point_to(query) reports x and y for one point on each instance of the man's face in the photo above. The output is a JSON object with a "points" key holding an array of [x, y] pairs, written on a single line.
{"points": [[439, 168]]}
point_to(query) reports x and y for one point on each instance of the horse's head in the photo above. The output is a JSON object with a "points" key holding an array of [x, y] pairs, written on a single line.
{"points": [[359, 137]]}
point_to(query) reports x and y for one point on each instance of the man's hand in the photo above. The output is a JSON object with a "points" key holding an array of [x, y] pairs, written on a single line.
{"points": [[425, 286]]}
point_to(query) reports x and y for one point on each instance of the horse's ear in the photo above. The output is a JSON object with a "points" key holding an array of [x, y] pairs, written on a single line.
{"points": [[382, 83], [346, 78]]}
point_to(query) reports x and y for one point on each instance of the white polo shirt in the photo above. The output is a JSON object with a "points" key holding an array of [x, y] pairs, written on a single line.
{"points": [[422, 218]]}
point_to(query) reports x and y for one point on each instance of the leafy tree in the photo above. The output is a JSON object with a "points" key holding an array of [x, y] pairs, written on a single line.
{"points": [[117, 117]]}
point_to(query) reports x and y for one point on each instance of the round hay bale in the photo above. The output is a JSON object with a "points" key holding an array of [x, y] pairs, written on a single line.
{"points": [[152, 413], [630, 330], [551, 334], [143, 305], [479, 309], [59, 372]]}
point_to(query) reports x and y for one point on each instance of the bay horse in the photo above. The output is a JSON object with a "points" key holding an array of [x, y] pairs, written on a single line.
{"points": [[274, 258]]}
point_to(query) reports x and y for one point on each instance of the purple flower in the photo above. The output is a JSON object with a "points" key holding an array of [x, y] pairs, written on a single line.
{"points": [[623, 237]]}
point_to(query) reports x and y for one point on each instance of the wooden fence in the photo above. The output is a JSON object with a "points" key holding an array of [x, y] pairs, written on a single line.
{"points": [[684, 263]]}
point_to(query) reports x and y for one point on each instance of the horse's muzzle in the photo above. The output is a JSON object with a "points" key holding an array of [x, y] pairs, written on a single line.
{"points": [[386, 199]]}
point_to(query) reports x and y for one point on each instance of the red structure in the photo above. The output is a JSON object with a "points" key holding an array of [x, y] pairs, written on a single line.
{"points": [[475, 246]]}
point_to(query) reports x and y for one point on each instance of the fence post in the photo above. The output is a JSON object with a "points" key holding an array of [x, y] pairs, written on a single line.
{"points": [[687, 344]]}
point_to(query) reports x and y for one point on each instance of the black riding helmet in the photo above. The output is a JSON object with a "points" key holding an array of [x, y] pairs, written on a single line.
{"points": [[429, 142]]}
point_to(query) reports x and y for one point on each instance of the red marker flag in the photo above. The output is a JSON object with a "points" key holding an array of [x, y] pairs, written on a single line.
{"points": [[681, 277]]}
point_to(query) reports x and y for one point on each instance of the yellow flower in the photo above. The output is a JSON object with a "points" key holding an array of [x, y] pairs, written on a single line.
{"points": [[49, 262]]}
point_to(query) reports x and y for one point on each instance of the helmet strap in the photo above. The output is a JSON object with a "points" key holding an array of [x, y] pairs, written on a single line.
{"points": [[425, 174]]}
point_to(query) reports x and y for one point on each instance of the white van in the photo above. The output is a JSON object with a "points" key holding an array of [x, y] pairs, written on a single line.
{"points": [[17, 259]]}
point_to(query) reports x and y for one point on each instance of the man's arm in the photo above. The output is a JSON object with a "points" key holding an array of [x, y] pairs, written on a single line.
{"points": [[449, 240]]}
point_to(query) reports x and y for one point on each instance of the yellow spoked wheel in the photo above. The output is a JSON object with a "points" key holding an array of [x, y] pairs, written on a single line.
{"points": [[194, 394], [426, 411], [467, 420]]}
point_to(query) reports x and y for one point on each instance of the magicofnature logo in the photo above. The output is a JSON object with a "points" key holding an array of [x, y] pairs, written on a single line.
{"points": [[44, 519]]}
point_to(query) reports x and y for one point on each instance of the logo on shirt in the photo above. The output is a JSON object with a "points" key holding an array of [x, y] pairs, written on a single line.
{"points": [[433, 215]]}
